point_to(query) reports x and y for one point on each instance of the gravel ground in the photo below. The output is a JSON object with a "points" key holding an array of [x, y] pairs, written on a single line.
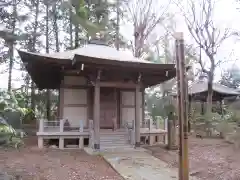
{"points": [[211, 159], [51, 164]]}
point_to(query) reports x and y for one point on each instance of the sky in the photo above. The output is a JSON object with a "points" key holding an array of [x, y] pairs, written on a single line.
{"points": [[226, 16]]}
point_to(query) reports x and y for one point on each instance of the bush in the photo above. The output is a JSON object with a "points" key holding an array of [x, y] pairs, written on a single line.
{"points": [[8, 136]]}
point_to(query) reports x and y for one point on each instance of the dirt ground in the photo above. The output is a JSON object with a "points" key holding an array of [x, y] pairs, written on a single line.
{"points": [[33, 164], [211, 159]]}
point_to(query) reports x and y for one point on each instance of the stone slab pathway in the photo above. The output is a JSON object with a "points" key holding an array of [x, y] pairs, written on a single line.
{"points": [[140, 165]]}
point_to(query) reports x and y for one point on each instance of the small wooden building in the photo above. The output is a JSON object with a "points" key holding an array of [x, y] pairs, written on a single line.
{"points": [[99, 88], [199, 91]]}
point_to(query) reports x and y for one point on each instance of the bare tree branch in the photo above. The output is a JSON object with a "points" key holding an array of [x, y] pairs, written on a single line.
{"points": [[145, 17], [201, 25]]}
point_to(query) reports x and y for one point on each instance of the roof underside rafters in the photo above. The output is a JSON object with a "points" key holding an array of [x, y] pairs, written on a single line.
{"points": [[199, 91], [47, 71]]}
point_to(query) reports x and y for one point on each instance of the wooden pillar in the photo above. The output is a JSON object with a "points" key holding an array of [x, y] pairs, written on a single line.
{"points": [[41, 125], [61, 101], [190, 113], [171, 128], [137, 116], [61, 125], [202, 108], [221, 107], [143, 108], [40, 142], [182, 87], [97, 116]]}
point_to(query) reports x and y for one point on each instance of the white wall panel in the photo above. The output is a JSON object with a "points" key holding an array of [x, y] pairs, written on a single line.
{"points": [[128, 115], [74, 80], [75, 96], [74, 115], [128, 98]]}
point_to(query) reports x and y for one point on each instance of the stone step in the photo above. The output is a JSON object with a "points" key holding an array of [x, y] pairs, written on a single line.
{"points": [[109, 135], [113, 133], [113, 144], [113, 139], [115, 148]]}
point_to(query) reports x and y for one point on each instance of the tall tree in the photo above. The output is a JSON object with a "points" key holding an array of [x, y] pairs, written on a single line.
{"points": [[11, 43], [9, 19], [48, 94], [199, 18], [146, 16], [34, 50], [87, 16], [231, 77], [55, 18], [31, 43]]}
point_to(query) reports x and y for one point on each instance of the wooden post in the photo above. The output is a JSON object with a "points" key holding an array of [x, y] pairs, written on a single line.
{"points": [[182, 108], [171, 126], [40, 142], [137, 116], [81, 126], [61, 125], [166, 128], [61, 142], [91, 131], [97, 113], [143, 108], [61, 100], [41, 125]]}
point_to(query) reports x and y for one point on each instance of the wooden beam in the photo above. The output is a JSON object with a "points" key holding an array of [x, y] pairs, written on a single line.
{"points": [[70, 86], [130, 106], [117, 84], [139, 77], [75, 105], [61, 101], [99, 72], [137, 116], [182, 105], [96, 116]]}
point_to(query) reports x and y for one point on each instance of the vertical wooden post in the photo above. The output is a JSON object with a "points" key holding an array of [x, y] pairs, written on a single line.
{"points": [[137, 116], [61, 100], [166, 128], [97, 114], [143, 108], [61, 125], [182, 108], [41, 125], [91, 131], [40, 142]]}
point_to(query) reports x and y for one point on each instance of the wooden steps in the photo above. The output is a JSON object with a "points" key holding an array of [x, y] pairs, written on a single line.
{"points": [[114, 140]]}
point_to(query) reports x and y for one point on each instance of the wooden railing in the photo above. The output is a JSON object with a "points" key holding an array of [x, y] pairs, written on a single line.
{"points": [[91, 134], [57, 126], [146, 124]]}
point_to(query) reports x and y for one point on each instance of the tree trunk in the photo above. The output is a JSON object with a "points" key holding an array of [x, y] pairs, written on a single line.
{"points": [[118, 26], [55, 27], [34, 50], [210, 93], [76, 34], [48, 103], [11, 63], [71, 28], [10, 45]]}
